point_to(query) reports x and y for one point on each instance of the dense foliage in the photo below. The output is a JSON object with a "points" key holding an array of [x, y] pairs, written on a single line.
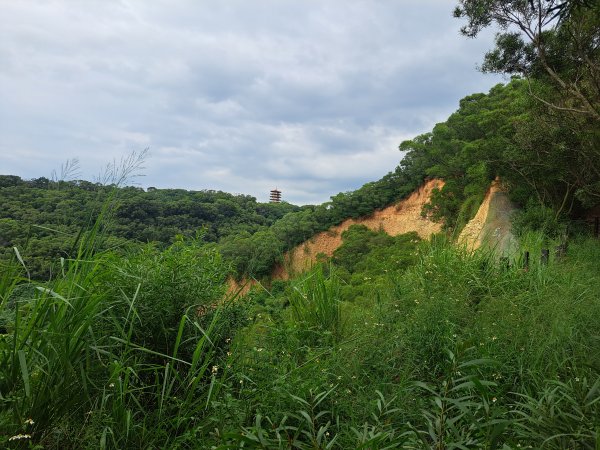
{"points": [[450, 351], [441, 349], [555, 41], [43, 217], [555, 46], [543, 157]]}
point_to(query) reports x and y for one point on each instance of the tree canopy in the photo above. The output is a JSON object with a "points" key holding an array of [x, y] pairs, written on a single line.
{"points": [[43, 217], [552, 40]]}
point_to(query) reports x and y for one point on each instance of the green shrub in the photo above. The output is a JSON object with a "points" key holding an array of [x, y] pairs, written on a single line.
{"points": [[185, 278], [81, 366], [536, 217]]}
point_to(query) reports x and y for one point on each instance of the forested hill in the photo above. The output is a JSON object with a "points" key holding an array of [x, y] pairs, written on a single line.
{"points": [[43, 217], [540, 133], [394, 342]]}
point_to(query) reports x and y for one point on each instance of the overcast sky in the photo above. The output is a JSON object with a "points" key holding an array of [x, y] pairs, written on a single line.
{"points": [[312, 97]]}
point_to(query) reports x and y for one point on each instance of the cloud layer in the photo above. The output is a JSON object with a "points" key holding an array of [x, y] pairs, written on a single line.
{"points": [[311, 97]]}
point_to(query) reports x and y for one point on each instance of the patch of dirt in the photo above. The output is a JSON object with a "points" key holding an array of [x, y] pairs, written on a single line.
{"points": [[402, 217], [491, 226], [239, 288]]}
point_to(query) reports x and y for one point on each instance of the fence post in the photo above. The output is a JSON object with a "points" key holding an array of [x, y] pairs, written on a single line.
{"points": [[545, 256], [560, 251], [526, 262]]}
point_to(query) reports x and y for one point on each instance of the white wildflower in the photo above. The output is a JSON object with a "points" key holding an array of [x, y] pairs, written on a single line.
{"points": [[19, 437]]}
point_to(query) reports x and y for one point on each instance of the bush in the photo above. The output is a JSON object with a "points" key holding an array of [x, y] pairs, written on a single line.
{"points": [[536, 217], [186, 278]]}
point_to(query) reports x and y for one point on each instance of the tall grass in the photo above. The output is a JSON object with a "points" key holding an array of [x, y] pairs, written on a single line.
{"points": [[316, 304], [46, 358], [63, 377]]}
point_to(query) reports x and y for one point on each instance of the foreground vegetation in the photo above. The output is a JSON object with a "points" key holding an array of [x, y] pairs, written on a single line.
{"points": [[396, 343]]}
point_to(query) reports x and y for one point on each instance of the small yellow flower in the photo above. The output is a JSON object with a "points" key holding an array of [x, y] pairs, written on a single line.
{"points": [[29, 422]]}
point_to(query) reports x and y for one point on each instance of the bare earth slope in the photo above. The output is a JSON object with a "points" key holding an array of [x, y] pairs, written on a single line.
{"points": [[403, 217], [491, 225]]}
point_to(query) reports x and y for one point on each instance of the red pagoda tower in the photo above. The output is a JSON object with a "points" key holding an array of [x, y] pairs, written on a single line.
{"points": [[275, 196]]}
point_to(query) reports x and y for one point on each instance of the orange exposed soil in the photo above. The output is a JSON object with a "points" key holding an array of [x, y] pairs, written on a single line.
{"points": [[403, 217], [239, 288]]}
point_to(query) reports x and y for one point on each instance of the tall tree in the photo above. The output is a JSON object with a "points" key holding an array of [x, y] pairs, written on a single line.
{"points": [[553, 40]]}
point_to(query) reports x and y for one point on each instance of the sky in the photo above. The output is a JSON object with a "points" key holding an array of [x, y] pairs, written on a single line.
{"points": [[312, 97]]}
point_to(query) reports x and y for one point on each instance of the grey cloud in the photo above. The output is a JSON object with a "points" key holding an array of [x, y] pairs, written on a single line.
{"points": [[313, 96]]}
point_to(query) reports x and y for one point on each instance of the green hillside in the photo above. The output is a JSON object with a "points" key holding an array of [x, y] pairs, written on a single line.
{"points": [[43, 217]]}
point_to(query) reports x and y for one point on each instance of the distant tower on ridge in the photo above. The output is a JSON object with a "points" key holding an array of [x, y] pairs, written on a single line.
{"points": [[275, 196]]}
